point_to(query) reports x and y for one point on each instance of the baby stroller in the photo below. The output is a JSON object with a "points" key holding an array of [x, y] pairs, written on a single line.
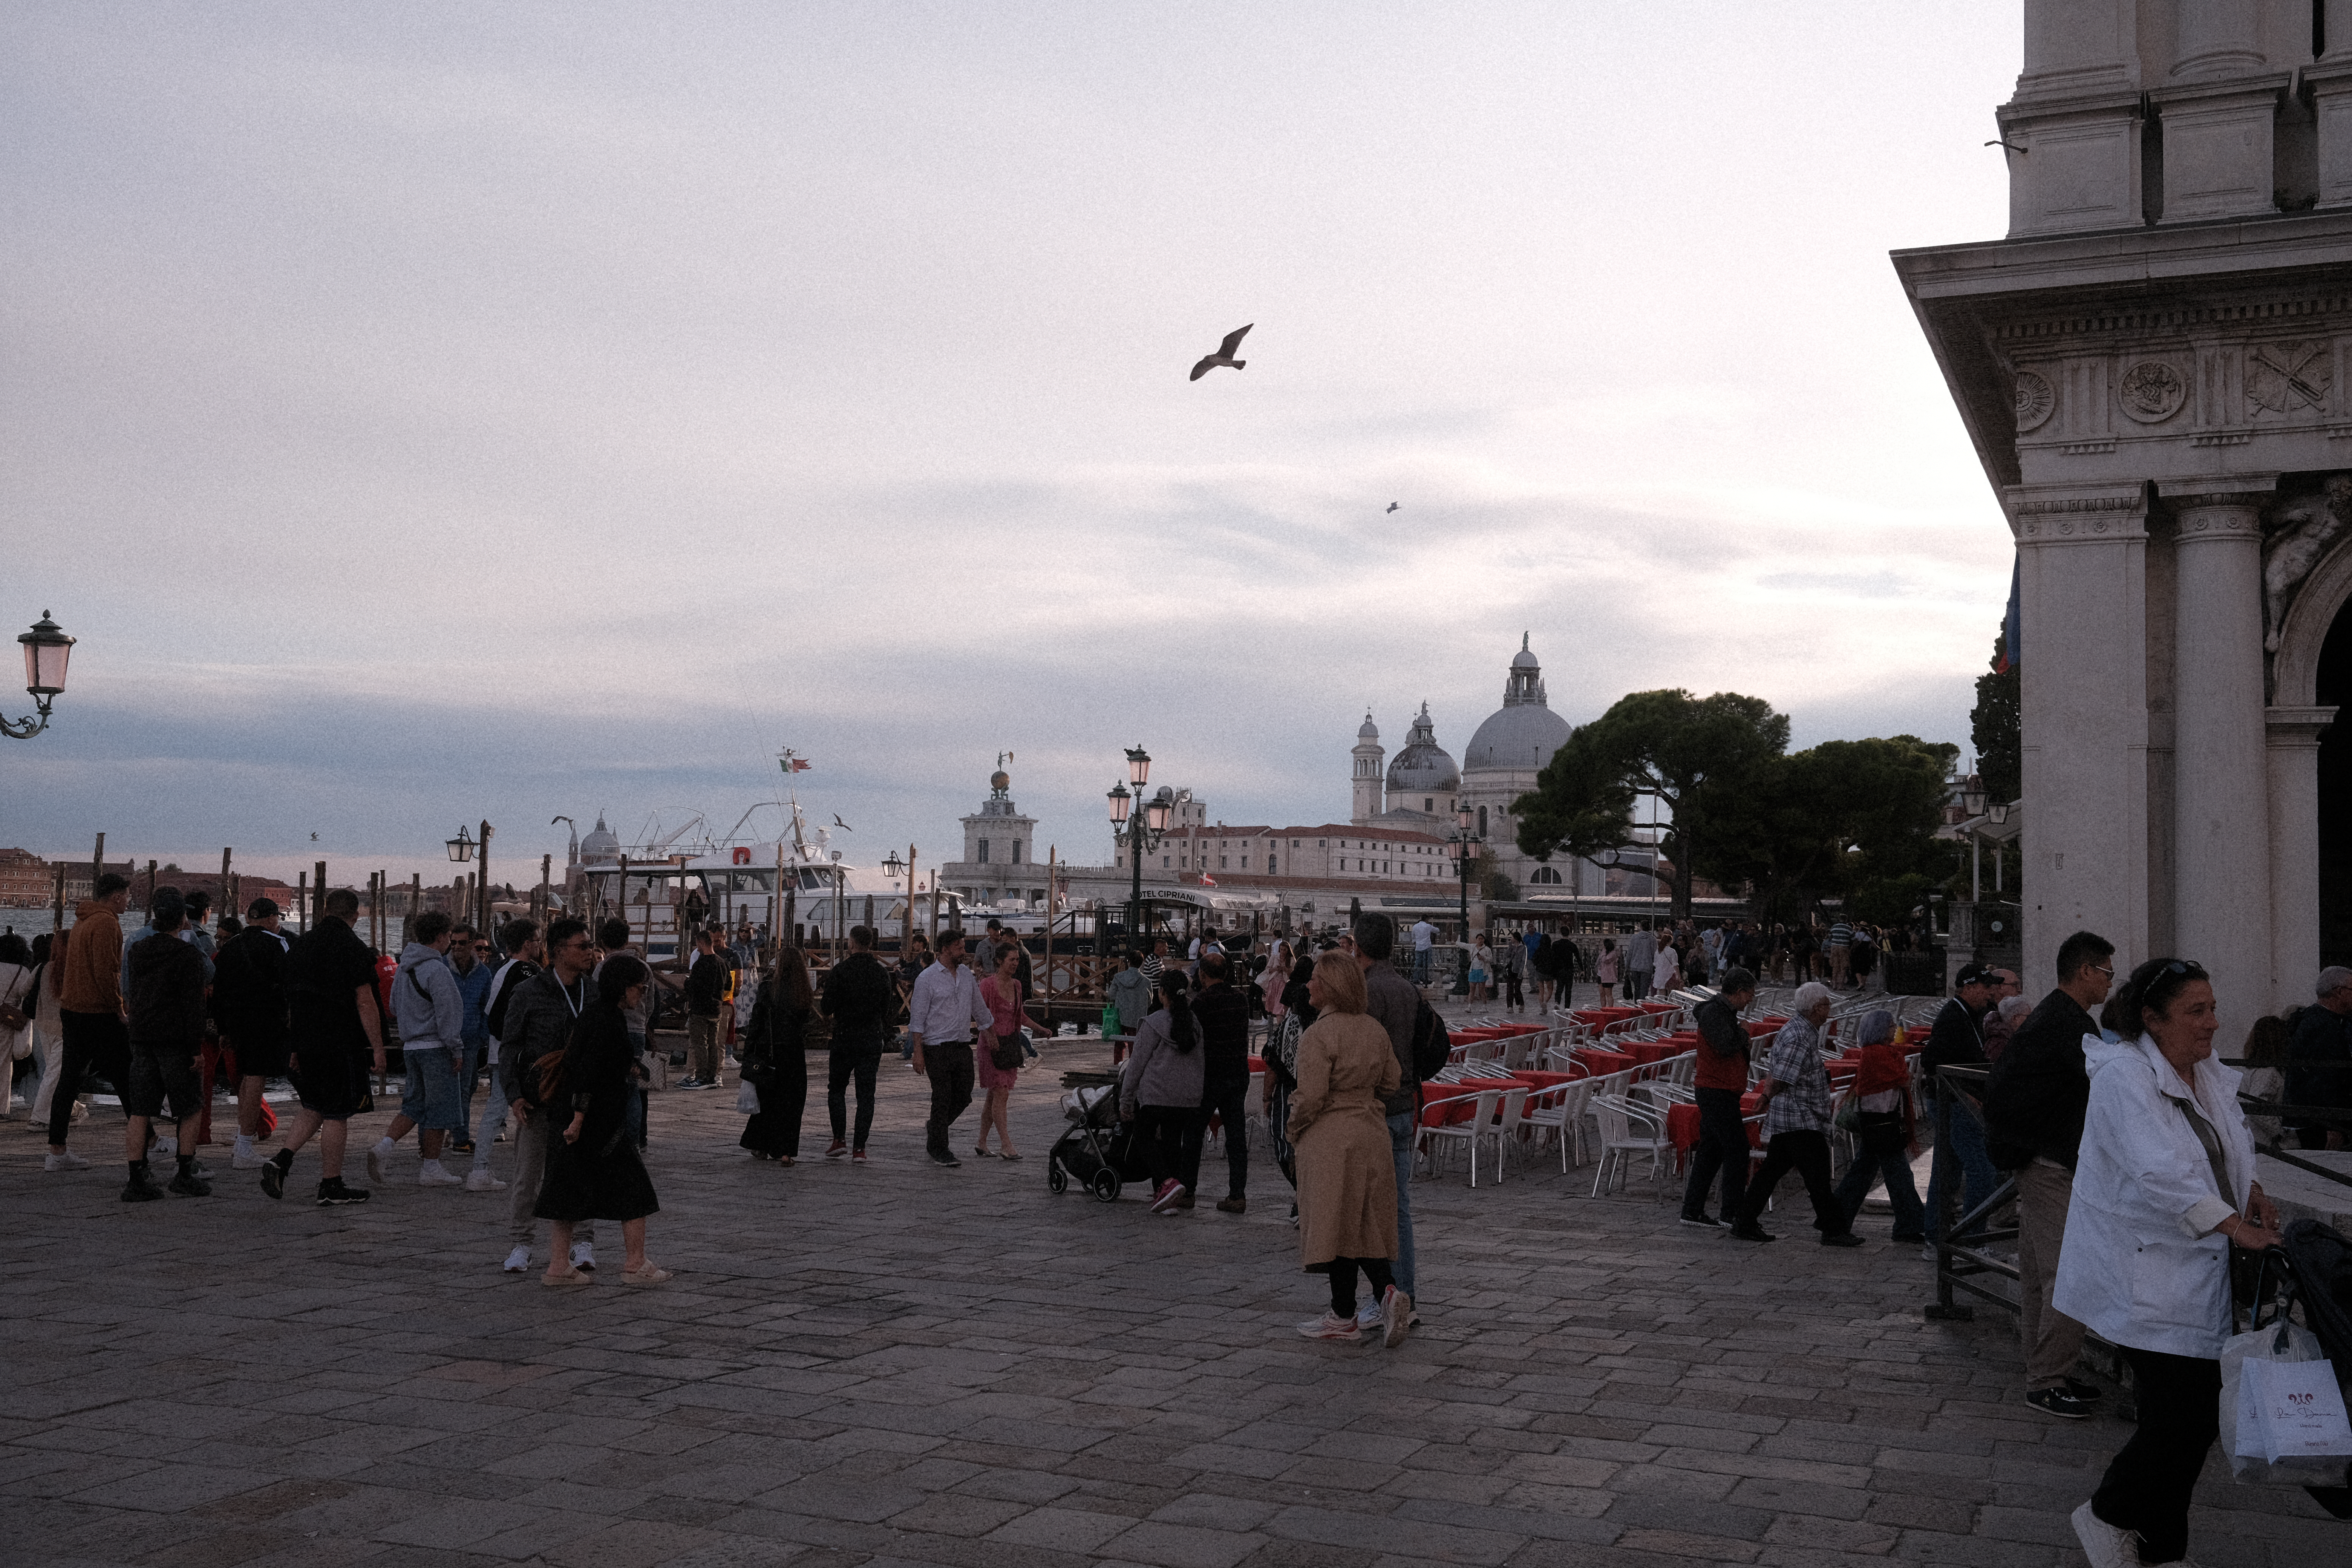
{"points": [[1099, 1150], [2319, 1275]]}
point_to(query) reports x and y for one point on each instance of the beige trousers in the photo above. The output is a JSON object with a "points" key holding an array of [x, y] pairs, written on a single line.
{"points": [[2050, 1339]]}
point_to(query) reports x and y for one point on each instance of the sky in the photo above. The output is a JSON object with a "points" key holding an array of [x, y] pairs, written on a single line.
{"points": [[434, 413]]}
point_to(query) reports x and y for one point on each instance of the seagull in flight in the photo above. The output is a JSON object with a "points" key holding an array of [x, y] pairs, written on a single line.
{"points": [[1392, 506], [314, 838], [1225, 354], [842, 826]]}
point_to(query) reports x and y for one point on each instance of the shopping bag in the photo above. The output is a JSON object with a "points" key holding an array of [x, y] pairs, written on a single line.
{"points": [[747, 1098], [2282, 1415]]}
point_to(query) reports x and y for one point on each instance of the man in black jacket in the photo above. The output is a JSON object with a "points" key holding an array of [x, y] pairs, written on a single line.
{"points": [[1957, 1039], [860, 998], [706, 987], [1223, 1014], [2034, 1105], [249, 1003], [166, 1004], [539, 1012]]}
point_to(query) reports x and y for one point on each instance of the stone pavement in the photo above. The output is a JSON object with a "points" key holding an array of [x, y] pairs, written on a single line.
{"points": [[903, 1364]]}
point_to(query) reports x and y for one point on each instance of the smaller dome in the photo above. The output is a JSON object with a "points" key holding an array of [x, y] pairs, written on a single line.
{"points": [[1523, 659], [1370, 732], [601, 844], [999, 780], [1424, 764]]}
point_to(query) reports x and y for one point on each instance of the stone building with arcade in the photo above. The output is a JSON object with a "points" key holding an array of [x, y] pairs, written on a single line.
{"points": [[2155, 367]]}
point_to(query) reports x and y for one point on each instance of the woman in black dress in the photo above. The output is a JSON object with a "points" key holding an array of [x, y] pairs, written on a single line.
{"points": [[775, 1062], [594, 1171]]}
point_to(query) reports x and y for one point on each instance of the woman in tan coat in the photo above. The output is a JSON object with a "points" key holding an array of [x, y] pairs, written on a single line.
{"points": [[1347, 1175]]}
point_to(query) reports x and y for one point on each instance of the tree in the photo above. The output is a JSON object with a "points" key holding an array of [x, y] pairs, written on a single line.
{"points": [[1994, 728], [1694, 753], [1853, 820]]}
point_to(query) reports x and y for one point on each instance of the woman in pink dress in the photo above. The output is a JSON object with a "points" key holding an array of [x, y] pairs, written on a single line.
{"points": [[1272, 980], [1001, 994]]}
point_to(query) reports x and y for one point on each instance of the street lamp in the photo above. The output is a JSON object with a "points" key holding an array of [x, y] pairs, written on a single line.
{"points": [[1465, 849], [461, 848], [46, 648], [1972, 796], [892, 867], [1141, 830]]}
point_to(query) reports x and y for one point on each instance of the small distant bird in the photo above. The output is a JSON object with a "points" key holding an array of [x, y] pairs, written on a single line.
{"points": [[314, 838], [1392, 506], [1225, 354], [842, 826]]}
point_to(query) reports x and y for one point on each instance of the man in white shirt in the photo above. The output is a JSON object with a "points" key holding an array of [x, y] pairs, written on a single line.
{"points": [[944, 1016], [1424, 937]]}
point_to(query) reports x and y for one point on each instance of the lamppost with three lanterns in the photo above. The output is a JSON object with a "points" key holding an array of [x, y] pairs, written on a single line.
{"points": [[1465, 855], [1141, 830]]}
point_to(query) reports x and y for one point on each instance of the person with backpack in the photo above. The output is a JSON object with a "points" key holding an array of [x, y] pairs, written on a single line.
{"points": [[539, 1012], [1396, 1005], [430, 1011], [525, 956]]}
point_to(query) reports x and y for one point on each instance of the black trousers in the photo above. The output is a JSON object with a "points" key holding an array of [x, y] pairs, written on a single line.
{"points": [[949, 1069], [1809, 1153], [860, 1059], [1161, 1132], [783, 1101], [94, 1041], [1230, 1105], [1722, 1147], [1343, 1282], [2147, 1482]]}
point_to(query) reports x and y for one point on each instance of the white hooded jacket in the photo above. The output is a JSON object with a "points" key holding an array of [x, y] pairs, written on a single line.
{"points": [[2141, 1265]]}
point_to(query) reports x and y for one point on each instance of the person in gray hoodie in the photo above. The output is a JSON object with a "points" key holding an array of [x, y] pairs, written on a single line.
{"points": [[1130, 992], [430, 1009], [1161, 1091]]}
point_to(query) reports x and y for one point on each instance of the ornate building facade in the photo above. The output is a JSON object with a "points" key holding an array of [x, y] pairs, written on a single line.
{"points": [[2156, 369]]}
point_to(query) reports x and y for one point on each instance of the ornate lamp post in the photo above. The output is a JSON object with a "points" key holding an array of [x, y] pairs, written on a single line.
{"points": [[1465, 855], [461, 848], [1142, 830], [46, 648]]}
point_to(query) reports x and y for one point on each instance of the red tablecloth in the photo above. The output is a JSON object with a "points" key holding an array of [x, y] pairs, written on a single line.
{"points": [[1646, 1052], [1603, 1016], [1682, 1124], [1258, 1064], [1604, 1063]]}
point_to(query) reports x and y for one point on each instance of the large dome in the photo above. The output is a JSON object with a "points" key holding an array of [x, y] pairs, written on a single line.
{"points": [[1424, 764], [1524, 732], [601, 846]]}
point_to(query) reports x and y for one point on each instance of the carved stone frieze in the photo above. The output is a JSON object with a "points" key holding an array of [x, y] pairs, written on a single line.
{"points": [[2034, 401], [2152, 391], [2289, 377], [2301, 531], [2093, 519]]}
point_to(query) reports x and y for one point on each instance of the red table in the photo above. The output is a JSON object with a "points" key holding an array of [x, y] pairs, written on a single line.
{"points": [[1604, 1063], [1682, 1125], [1648, 1052]]}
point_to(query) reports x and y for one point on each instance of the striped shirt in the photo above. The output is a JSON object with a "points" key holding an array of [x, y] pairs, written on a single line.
{"points": [[1802, 1101]]}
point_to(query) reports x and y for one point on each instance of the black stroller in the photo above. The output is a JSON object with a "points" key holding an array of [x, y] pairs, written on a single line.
{"points": [[1099, 1151], [2319, 1275]]}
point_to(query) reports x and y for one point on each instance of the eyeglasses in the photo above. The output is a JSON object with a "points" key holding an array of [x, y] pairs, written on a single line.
{"points": [[2187, 966], [2105, 969]]}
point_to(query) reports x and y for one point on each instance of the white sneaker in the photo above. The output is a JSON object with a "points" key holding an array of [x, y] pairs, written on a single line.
{"points": [[1330, 1326], [479, 1180], [248, 1158], [431, 1175], [519, 1260], [584, 1256], [1367, 1314], [1396, 1316], [69, 1161], [2103, 1544], [376, 1162], [168, 1147]]}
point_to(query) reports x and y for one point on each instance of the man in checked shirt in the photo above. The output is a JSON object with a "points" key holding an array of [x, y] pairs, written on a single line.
{"points": [[1797, 1123]]}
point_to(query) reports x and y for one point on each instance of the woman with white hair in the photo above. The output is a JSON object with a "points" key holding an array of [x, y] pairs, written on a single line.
{"points": [[1797, 1124]]}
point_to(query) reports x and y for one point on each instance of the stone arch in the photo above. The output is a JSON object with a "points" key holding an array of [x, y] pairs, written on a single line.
{"points": [[2303, 634]]}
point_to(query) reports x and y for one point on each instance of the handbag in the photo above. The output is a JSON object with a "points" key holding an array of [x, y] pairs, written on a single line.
{"points": [[1006, 1055], [747, 1098]]}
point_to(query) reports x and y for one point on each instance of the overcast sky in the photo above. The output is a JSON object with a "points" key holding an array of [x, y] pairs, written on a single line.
{"points": [[430, 413]]}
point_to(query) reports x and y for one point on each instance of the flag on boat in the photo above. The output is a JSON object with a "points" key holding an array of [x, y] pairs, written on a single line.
{"points": [[790, 763], [1207, 880]]}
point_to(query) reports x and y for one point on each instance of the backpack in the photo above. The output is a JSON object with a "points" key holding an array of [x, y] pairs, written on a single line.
{"points": [[1431, 1045]]}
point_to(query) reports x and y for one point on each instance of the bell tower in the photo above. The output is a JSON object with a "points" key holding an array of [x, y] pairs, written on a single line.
{"points": [[1368, 755]]}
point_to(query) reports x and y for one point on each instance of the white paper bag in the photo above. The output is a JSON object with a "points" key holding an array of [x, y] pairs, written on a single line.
{"points": [[747, 1098], [2251, 1363], [2291, 1409]]}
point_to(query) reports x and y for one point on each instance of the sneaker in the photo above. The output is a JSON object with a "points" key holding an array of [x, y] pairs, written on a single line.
{"points": [[838, 1149], [479, 1180], [688, 1082], [461, 1147], [2058, 1403], [332, 1193], [1368, 1313], [1843, 1238], [167, 1147], [1330, 1326], [584, 1256], [141, 1189], [248, 1159], [189, 1184], [1927, 1253], [1396, 1317], [1751, 1233], [1233, 1205], [1185, 1202], [1704, 1221], [2103, 1544], [375, 1165], [431, 1175], [1170, 1194], [69, 1161], [942, 1157], [273, 1174], [519, 1260], [857, 1156]]}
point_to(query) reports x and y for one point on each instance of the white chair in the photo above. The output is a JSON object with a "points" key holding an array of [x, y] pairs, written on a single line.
{"points": [[1480, 1125], [1557, 1111], [1507, 1127], [1628, 1129]]}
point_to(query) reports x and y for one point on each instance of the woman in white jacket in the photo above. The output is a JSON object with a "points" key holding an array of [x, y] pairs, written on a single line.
{"points": [[2165, 1188]]}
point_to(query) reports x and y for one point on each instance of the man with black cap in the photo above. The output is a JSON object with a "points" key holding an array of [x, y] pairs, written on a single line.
{"points": [[1957, 1039]]}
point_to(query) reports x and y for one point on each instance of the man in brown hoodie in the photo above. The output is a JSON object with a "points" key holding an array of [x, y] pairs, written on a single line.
{"points": [[90, 1006]]}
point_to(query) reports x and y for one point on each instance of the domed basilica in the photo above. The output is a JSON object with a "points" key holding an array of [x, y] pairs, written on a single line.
{"points": [[1421, 790]]}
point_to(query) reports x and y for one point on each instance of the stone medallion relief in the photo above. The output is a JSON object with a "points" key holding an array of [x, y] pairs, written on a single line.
{"points": [[2288, 378], [2034, 401], [2152, 391]]}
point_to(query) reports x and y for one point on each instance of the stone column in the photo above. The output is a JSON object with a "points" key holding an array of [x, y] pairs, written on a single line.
{"points": [[2330, 82], [2222, 790], [2293, 736], [2082, 674], [2071, 134], [2217, 106]]}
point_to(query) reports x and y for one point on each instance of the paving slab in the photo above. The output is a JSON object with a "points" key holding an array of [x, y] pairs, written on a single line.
{"points": [[858, 1367]]}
